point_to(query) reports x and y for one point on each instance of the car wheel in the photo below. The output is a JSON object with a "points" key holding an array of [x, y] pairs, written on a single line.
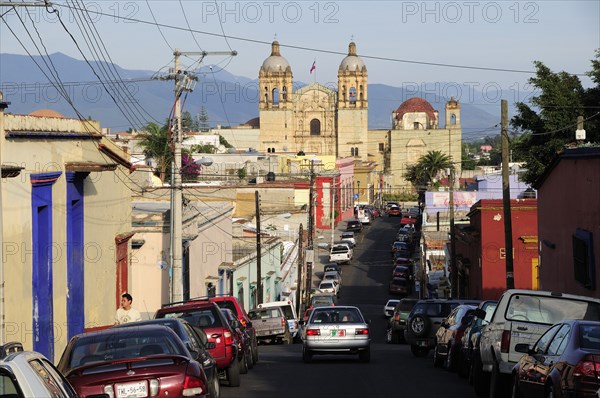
{"points": [[243, 364], [214, 389], [497, 383], [419, 352], [365, 355], [420, 325], [437, 361], [233, 374], [254, 350], [515, 393], [481, 379], [306, 355], [249, 360]]}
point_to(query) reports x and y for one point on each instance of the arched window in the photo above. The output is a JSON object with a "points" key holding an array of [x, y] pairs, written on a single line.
{"points": [[361, 94], [315, 127], [272, 150], [343, 92], [453, 119], [266, 94], [268, 150], [275, 96], [284, 93], [351, 151], [355, 151], [352, 95]]}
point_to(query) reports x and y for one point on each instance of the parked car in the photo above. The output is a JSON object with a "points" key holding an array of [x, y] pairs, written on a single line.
{"points": [[522, 316], [323, 299], [290, 314], [424, 320], [331, 287], [229, 301], [271, 325], [332, 267], [354, 225], [398, 245], [349, 237], [388, 308], [340, 253], [207, 316], [400, 286], [562, 363], [30, 374], [336, 330], [397, 322], [197, 343], [449, 334], [243, 339], [402, 271], [333, 276], [470, 340], [125, 362]]}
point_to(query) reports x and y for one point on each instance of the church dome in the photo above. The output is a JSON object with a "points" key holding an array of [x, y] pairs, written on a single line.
{"points": [[352, 62], [416, 104], [275, 63]]}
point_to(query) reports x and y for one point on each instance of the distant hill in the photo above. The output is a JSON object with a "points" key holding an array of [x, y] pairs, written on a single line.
{"points": [[142, 99]]}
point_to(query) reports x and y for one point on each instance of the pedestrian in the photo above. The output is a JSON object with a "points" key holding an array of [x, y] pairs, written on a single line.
{"points": [[125, 313]]}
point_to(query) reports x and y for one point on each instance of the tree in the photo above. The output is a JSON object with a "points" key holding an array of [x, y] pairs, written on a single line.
{"points": [[155, 143], [427, 168], [203, 124], [188, 123], [550, 123]]}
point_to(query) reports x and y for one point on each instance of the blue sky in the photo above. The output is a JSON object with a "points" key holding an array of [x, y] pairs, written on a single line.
{"points": [[488, 34]]}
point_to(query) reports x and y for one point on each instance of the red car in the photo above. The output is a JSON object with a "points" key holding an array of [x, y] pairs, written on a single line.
{"points": [[394, 211], [401, 271], [399, 286], [207, 315], [231, 303], [407, 220], [139, 361], [243, 338]]}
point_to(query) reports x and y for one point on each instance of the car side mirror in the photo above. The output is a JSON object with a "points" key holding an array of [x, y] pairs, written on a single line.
{"points": [[479, 313]]}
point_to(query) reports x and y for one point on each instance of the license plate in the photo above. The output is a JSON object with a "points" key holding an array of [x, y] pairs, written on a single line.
{"points": [[338, 333], [128, 390]]}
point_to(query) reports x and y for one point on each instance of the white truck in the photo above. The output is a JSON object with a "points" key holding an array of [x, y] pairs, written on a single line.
{"points": [[290, 314], [521, 316], [340, 253]]}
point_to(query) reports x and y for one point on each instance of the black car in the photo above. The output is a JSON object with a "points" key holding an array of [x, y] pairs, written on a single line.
{"points": [[196, 342], [354, 225]]}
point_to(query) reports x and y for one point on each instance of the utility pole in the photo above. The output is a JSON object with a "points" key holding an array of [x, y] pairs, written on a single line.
{"points": [[300, 269], [310, 249], [184, 81], [510, 279], [259, 289], [453, 268]]}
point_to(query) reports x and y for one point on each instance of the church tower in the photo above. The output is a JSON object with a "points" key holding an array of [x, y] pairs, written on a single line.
{"points": [[275, 102], [353, 106]]}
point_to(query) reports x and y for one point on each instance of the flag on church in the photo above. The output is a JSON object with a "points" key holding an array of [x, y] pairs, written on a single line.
{"points": [[313, 67]]}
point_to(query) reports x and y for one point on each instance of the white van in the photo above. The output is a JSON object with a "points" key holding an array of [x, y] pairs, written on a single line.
{"points": [[289, 311]]}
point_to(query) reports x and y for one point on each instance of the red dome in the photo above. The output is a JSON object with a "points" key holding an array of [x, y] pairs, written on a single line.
{"points": [[46, 113], [416, 104], [255, 123]]}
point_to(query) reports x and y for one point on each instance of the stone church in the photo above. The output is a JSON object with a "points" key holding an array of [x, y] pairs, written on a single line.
{"points": [[317, 119]]}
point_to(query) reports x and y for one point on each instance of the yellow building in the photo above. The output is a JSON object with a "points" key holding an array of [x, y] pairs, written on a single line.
{"points": [[66, 227]]}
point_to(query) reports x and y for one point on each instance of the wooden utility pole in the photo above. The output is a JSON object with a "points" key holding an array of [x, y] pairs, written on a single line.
{"points": [[311, 225], [508, 244], [299, 295], [259, 288]]}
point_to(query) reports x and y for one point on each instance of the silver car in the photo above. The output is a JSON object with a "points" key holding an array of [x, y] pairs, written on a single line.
{"points": [[30, 374], [336, 330]]}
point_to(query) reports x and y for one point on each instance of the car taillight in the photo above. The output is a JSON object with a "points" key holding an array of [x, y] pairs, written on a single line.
{"points": [[228, 338], [192, 386], [243, 322], [505, 343], [361, 331], [283, 321], [589, 366], [313, 332], [396, 317]]}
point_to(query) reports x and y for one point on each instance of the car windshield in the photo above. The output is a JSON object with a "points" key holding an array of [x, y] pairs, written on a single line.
{"points": [[326, 285], [348, 235], [339, 249], [122, 344]]}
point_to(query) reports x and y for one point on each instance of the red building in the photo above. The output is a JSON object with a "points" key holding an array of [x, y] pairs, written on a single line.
{"points": [[328, 203], [569, 222], [481, 252]]}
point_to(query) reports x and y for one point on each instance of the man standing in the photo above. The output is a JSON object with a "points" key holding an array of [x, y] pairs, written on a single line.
{"points": [[126, 313]]}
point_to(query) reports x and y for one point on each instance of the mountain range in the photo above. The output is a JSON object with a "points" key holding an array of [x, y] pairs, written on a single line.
{"points": [[132, 98]]}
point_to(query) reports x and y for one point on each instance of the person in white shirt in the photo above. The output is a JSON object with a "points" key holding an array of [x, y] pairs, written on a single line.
{"points": [[126, 313]]}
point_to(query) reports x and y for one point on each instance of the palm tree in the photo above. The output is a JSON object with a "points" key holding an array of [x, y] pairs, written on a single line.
{"points": [[155, 143], [427, 168]]}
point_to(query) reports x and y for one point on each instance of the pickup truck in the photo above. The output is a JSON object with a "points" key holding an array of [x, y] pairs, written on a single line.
{"points": [[521, 317], [270, 324], [340, 253]]}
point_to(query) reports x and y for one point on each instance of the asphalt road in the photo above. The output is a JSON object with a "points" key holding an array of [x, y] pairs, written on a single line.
{"points": [[393, 371]]}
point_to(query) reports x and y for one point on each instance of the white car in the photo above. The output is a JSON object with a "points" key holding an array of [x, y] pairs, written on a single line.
{"points": [[30, 374], [330, 287], [333, 276], [348, 237], [388, 308]]}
